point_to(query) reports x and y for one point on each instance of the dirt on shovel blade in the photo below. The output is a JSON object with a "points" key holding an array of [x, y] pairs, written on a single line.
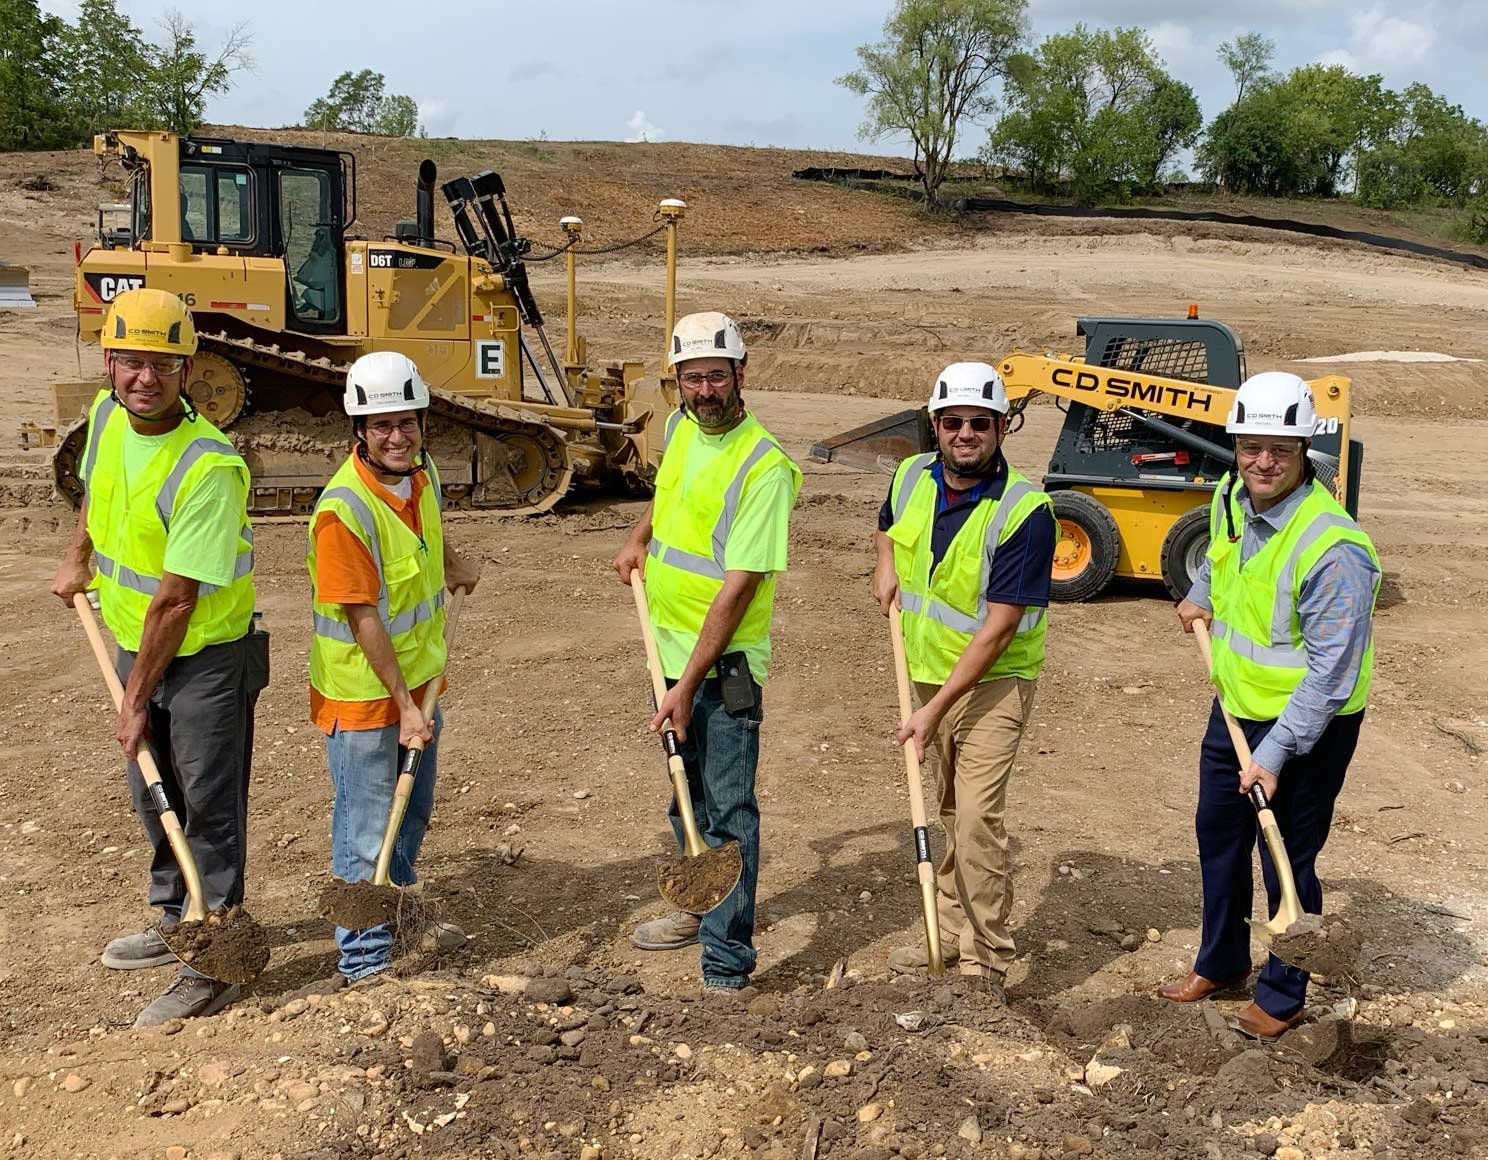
{"points": [[227, 945], [1322, 945], [699, 884], [360, 905]]}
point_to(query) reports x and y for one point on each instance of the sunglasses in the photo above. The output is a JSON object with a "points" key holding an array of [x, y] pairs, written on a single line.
{"points": [[981, 424]]}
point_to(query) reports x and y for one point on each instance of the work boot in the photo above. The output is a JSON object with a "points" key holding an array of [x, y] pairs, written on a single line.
{"points": [[187, 998], [133, 952], [669, 933], [441, 937], [915, 960]]}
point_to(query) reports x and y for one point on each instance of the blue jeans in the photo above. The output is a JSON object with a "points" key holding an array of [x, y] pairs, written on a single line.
{"points": [[721, 754], [364, 767]]}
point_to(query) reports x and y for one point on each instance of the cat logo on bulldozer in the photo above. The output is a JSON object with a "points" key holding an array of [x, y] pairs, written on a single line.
{"points": [[109, 286]]}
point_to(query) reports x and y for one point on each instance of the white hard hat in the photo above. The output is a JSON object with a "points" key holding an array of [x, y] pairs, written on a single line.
{"points": [[384, 381], [1273, 403], [969, 384], [706, 335]]}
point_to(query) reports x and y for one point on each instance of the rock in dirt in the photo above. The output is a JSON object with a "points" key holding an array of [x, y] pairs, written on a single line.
{"points": [[549, 990], [970, 1129], [1248, 1073], [1290, 1153], [22, 1086], [74, 1082], [1317, 1042], [177, 1152], [228, 945], [1098, 1074], [1265, 1143], [838, 1069], [1079, 1145], [428, 1053], [855, 1041], [869, 1112]]}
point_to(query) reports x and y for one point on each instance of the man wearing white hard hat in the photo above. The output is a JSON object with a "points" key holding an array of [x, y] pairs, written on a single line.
{"points": [[379, 566], [709, 547], [1288, 590], [966, 546]]}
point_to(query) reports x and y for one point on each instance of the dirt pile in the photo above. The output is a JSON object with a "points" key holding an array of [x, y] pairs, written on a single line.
{"points": [[227, 945], [585, 1062]]}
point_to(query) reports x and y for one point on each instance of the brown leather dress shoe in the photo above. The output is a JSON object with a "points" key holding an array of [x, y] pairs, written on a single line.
{"points": [[1256, 1023], [1196, 987]]}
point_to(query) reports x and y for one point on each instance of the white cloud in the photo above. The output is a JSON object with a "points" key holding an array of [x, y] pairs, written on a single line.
{"points": [[641, 128], [436, 116], [1381, 43]]}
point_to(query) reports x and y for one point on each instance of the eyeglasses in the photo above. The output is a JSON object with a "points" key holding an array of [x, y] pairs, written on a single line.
{"points": [[409, 427], [981, 424], [696, 379], [135, 364], [1280, 452]]}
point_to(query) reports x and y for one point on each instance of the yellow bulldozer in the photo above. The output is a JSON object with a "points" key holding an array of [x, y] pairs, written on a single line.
{"points": [[255, 239], [1141, 448]]}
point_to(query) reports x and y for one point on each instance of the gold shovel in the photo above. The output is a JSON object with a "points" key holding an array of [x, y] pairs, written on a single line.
{"points": [[1290, 909], [705, 875], [362, 905], [226, 945], [923, 867]]}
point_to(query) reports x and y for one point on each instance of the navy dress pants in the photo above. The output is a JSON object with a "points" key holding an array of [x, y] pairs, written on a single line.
{"points": [[1227, 831]]}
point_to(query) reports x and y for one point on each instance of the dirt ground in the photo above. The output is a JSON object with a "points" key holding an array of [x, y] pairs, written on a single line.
{"points": [[548, 1036]]}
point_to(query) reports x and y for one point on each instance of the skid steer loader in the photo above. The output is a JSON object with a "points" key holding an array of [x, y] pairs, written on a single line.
{"points": [[255, 239], [1141, 448]]}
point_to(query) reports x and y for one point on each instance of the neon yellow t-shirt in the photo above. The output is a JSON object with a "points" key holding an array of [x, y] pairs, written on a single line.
{"points": [[206, 527]]}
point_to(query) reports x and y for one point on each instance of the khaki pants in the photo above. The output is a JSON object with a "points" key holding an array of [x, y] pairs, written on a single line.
{"points": [[972, 758]]}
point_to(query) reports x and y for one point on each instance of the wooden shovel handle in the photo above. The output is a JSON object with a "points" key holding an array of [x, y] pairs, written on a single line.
{"points": [[1270, 830], [414, 752], [929, 904], [676, 768], [196, 908]]}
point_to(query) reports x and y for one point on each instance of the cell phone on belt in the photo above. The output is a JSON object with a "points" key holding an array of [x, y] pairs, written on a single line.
{"points": [[736, 682]]}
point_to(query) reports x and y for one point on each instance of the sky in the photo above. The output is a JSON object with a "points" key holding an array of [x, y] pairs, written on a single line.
{"points": [[760, 73]]}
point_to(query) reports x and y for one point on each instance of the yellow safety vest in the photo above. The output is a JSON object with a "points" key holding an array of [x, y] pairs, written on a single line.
{"points": [[129, 520], [943, 611], [688, 536], [410, 601], [1259, 655]]}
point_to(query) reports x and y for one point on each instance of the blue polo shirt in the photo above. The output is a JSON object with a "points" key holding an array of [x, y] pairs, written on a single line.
{"points": [[1022, 567]]}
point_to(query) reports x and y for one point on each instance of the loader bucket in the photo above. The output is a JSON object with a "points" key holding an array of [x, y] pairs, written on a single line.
{"points": [[880, 445], [15, 288]]}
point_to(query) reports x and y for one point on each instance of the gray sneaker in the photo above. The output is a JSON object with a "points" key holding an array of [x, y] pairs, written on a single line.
{"points": [[133, 952], [187, 998], [669, 933], [916, 959]]}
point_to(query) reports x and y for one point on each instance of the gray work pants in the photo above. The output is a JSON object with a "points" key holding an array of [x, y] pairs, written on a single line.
{"points": [[201, 728]]}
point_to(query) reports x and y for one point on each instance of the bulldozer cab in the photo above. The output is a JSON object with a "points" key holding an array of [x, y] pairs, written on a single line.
{"points": [[244, 198]]}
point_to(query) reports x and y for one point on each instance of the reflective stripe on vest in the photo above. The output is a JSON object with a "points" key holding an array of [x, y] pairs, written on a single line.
{"points": [[1260, 657], [712, 569], [129, 556], [339, 630], [671, 427]]}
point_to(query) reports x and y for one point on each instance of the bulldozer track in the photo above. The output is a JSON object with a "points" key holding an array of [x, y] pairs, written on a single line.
{"points": [[542, 451]]}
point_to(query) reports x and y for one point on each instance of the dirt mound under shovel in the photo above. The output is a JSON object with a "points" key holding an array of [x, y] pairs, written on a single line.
{"points": [[227, 945]]}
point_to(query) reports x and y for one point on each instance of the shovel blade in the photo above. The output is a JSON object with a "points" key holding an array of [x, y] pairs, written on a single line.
{"points": [[360, 905], [700, 883], [227, 945]]}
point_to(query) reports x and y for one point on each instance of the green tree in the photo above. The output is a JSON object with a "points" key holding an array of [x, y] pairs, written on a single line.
{"points": [[32, 115], [397, 116], [352, 103], [182, 75], [933, 72], [1244, 148], [107, 70], [1419, 146], [1096, 110], [1248, 57]]}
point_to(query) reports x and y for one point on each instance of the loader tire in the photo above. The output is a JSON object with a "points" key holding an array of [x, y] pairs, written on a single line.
{"points": [[1183, 550], [1087, 548]]}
